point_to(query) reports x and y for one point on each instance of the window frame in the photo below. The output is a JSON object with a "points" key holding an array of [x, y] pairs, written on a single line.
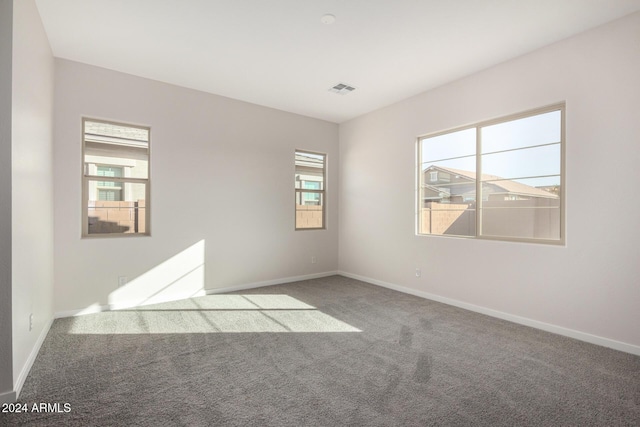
{"points": [[561, 241], [322, 192], [85, 178]]}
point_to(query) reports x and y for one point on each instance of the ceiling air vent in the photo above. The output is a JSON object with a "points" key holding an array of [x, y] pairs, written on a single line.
{"points": [[342, 89]]}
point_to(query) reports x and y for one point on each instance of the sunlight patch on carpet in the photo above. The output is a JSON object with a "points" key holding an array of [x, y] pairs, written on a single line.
{"points": [[214, 314]]}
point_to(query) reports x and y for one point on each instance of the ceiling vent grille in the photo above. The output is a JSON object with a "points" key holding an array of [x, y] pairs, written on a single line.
{"points": [[342, 89]]}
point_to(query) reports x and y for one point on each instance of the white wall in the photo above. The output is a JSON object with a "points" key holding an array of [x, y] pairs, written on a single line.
{"points": [[32, 207], [6, 360], [592, 285], [222, 172]]}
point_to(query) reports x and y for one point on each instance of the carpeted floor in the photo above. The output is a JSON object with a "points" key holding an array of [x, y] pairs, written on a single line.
{"points": [[323, 352]]}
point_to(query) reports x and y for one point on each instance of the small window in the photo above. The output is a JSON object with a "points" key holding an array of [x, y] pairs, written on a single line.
{"points": [[434, 176], [115, 179], [309, 190], [505, 179]]}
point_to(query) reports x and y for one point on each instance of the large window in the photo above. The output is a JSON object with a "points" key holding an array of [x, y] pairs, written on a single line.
{"points": [[115, 183], [309, 190], [501, 179]]}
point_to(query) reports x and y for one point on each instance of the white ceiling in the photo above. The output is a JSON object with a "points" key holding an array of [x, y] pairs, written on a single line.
{"points": [[279, 54]]}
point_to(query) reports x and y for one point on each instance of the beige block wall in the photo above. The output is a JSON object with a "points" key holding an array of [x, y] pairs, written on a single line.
{"points": [[308, 216], [535, 218], [439, 218], [116, 217]]}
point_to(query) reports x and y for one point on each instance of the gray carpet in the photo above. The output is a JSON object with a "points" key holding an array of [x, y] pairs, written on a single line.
{"points": [[323, 352]]}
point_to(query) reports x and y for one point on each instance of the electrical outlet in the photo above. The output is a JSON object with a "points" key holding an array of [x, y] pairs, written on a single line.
{"points": [[418, 272], [122, 280], [313, 260], [30, 321]]}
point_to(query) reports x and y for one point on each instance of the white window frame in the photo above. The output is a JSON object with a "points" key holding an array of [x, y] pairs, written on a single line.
{"points": [[86, 177], [478, 156], [322, 192]]}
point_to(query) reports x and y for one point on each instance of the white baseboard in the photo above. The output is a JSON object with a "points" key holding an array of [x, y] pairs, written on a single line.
{"points": [[270, 282], [32, 358], [571, 333], [8, 397], [80, 312], [132, 304], [95, 308], [100, 308]]}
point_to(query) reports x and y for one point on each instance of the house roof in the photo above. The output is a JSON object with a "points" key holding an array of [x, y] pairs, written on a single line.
{"points": [[509, 186], [309, 160], [112, 130]]}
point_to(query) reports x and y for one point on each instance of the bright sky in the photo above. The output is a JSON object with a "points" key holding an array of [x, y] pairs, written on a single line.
{"points": [[533, 132]]}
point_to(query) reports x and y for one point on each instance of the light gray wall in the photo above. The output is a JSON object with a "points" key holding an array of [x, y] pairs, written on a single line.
{"points": [[591, 284], [32, 175], [6, 363], [222, 180]]}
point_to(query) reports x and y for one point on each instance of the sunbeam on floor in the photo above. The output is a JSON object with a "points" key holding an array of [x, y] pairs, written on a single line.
{"points": [[213, 314]]}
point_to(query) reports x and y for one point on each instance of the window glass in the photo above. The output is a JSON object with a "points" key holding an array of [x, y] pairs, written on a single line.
{"points": [[116, 178], [520, 181], [309, 190], [526, 132], [110, 213], [450, 145], [447, 191], [523, 163]]}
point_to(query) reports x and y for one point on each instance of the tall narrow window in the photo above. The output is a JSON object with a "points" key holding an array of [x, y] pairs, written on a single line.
{"points": [[505, 179], [309, 190], [115, 182]]}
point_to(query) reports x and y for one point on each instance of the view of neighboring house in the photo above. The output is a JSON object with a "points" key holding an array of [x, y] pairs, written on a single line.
{"points": [[509, 208], [309, 189], [116, 169], [309, 176], [448, 185]]}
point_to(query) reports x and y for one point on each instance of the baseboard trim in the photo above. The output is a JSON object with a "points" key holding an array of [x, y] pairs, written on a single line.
{"points": [[270, 282], [95, 308], [571, 333], [132, 304], [8, 397], [101, 308], [81, 312], [32, 358]]}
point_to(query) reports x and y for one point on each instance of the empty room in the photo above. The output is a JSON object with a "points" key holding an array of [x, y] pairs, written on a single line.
{"points": [[319, 213]]}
